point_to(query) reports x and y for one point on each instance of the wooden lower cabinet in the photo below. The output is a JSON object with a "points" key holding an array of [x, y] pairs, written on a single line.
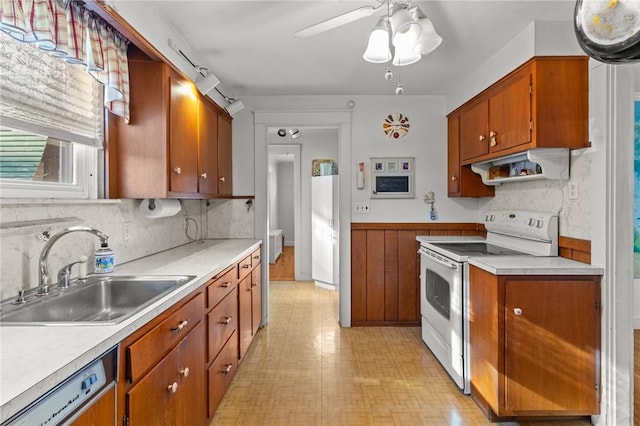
{"points": [[249, 301], [535, 344], [221, 372], [172, 393], [101, 412]]}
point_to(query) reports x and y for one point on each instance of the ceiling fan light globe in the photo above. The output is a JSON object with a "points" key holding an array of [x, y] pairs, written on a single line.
{"points": [[406, 56], [378, 51], [405, 28], [429, 40]]}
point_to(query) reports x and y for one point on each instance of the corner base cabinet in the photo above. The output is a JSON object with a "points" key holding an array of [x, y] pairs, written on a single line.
{"points": [[535, 344]]}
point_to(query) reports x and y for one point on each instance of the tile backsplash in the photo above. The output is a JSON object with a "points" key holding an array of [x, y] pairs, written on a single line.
{"points": [[20, 245]]}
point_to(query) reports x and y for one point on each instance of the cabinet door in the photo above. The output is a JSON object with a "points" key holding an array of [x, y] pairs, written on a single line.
{"points": [[453, 156], [256, 299], [152, 401], [183, 128], [191, 409], [474, 128], [225, 186], [208, 149], [510, 113], [551, 346], [244, 314]]}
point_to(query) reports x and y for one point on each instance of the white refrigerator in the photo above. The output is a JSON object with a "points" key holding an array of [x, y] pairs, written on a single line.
{"points": [[324, 231]]}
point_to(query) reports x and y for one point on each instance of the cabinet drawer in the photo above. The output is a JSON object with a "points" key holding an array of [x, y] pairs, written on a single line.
{"points": [[221, 372], [244, 267], [147, 350], [221, 286], [222, 321], [255, 258]]}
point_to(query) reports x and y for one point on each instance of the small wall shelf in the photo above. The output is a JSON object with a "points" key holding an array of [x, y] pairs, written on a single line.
{"points": [[539, 163]]}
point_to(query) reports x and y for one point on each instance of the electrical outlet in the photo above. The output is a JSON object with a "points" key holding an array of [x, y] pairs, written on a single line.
{"points": [[126, 231], [361, 207], [573, 191]]}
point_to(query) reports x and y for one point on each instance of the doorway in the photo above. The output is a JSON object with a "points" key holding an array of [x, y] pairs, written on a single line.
{"points": [[302, 210], [340, 120]]}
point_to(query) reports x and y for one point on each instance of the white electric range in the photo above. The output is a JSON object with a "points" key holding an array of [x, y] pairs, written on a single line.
{"points": [[444, 278]]}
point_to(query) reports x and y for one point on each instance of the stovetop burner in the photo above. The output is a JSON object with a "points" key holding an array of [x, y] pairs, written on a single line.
{"points": [[477, 249]]}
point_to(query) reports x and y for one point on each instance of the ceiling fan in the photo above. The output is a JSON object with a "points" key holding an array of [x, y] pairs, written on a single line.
{"points": [[405, 29], [343, 19]]}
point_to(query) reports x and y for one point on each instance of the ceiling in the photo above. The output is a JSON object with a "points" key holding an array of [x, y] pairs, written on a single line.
{"points": [[250, 45]]}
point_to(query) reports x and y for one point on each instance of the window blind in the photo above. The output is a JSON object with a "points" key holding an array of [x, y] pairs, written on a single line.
{"points": [[44, 93]]}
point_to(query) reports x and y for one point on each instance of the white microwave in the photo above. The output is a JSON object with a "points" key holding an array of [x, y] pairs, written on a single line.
{"points": [[392, 177]]}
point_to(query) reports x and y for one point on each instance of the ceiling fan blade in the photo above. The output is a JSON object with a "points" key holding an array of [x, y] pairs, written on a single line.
{"points": [[337, 21]]}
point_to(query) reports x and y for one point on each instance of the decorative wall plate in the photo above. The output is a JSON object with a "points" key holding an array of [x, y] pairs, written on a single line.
{"points": [[396, 125], [609, 30]]}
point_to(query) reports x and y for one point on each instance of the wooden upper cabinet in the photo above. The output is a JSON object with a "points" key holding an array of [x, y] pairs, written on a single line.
{"points": [[183, 131], [208, 150], [225, 187], [510, 113], [461, 180], [543, 103], [171, 147], [474, 131]]}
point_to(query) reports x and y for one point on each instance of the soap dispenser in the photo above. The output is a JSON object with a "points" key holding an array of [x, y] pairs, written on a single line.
{"points": [[104, 259]]}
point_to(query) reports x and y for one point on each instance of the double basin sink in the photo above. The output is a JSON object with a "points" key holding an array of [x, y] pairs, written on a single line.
{"points": [[101, 300]]}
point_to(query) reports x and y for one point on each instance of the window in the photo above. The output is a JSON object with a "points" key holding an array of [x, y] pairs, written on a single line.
{"points": [[51, 125]]}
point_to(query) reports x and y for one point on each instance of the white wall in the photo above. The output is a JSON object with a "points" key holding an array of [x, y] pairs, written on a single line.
{"points": [[426, 142], [285, 201]]}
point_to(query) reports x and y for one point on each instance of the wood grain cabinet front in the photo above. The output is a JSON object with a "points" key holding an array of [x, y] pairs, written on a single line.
{"points": [[221, 372], [160, 375], [101, 412], [461, 180], [177, 143], [222, 322], [172, 392], [249, 300], [543, 103], [535, 344]]}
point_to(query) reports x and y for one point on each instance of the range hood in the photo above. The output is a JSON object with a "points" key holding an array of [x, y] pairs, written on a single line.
{"points": [[538, 163]]}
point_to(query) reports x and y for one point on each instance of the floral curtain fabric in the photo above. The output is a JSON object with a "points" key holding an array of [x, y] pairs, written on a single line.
{"points": [[66, 29]]}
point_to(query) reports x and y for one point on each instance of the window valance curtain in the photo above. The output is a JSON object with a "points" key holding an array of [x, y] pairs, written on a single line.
{"points": [[68, 30]]}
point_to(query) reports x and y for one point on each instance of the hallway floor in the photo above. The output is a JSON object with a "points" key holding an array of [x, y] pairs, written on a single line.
{"points": [[303, 369]]}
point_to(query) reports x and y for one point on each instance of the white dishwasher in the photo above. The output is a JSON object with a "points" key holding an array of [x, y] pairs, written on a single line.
{"points": [[68, 400]]}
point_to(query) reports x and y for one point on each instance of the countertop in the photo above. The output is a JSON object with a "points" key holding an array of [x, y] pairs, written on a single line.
{"points": [[532, 265], [35, 359]]}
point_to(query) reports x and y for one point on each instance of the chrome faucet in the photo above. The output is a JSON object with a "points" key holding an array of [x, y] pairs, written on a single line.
{"points": [[43, 267]]}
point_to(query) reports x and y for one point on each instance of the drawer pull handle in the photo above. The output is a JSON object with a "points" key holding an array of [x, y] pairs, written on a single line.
{"points": [[222, 179], [180, 327], [256, 257], [203, 175], [254, 285], [225, 284], [177, 170], [227, 369], [246, 266], [482, 137], [226, 320], [454, 178], [172, 387], [517, 311], [184, 372]]}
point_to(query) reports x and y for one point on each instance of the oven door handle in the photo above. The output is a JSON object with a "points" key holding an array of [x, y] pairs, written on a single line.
{"points": [[437, 258]]}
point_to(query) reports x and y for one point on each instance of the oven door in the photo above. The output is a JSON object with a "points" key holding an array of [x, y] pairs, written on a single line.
{"points": [[441, 306]]}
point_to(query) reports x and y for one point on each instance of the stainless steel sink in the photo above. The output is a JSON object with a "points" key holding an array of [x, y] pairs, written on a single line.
{"points": [[102, 300]]}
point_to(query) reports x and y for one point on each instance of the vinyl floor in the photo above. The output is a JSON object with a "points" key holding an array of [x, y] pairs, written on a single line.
{"points": [[304, 369]]}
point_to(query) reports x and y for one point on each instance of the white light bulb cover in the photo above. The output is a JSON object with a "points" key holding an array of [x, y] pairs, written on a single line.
{"points": [[405, 28], [207, 83], [378, 51], [429, 40], [405, 56]]}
